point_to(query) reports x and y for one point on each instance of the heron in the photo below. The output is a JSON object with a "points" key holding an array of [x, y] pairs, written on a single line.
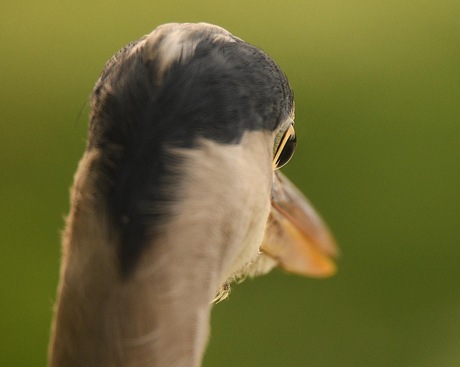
{"points": [[177, 195]]}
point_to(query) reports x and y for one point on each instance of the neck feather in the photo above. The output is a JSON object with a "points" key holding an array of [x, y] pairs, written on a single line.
{"points": [[159, 315]]}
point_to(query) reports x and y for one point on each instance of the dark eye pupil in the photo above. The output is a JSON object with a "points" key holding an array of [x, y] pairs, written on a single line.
{"points": [[287, 151]]}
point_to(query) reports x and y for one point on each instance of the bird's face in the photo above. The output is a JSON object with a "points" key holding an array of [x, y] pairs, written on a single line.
{"points": [[192, 125], [295, 237]]}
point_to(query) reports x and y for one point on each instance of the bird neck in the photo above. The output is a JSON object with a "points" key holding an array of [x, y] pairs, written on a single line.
{"points": [[158, 316], [103, 320]]}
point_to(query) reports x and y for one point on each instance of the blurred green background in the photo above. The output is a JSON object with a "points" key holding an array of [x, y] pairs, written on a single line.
{"points": [[377, 87]]}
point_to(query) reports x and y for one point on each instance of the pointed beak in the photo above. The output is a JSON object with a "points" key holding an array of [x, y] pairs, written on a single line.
{"points": [[296, 237]]}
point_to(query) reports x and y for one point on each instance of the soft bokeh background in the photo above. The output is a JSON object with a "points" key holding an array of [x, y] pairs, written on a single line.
{"points": [[377, 87]]}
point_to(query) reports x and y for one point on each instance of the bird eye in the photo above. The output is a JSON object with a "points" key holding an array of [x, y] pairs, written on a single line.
{"points": [[285, 149]]}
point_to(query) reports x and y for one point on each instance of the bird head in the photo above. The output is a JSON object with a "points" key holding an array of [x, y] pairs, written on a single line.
{"points": [[189, 127]]}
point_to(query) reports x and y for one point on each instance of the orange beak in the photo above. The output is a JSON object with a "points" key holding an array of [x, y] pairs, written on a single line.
{"points": [[296, 237]]}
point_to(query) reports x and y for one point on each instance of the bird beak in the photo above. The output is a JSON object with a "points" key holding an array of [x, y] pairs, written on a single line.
{"points": [[296, 237]]}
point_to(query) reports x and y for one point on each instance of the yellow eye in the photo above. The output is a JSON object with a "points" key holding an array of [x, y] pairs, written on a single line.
{"points": [[285, 149]]}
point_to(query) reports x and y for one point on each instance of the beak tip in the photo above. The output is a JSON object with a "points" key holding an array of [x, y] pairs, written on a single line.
{"points": [[324, 268]]}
